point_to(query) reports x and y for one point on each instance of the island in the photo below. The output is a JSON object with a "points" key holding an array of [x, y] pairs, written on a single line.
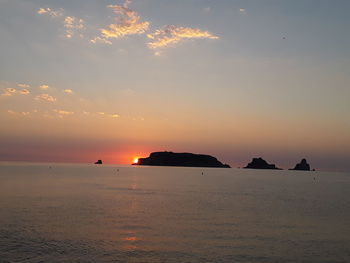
{"points": [[181, 159], [302, 166], [98, 162], [260, 163]]}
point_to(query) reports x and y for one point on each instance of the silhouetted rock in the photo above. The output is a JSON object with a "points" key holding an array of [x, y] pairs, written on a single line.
{"points": [[259, 163], [180, 159], [98, 162], [302, 166]]}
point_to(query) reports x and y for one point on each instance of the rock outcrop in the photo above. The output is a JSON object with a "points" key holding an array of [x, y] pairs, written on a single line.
{"points": [[180, 159], [302, 166], [98, 162], [259, 163]]}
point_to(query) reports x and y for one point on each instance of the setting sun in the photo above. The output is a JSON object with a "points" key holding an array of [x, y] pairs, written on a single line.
{"points": [[136, 160]]}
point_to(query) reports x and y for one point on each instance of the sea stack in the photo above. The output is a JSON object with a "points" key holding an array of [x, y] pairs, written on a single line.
{"points": [[260, 163], [98, 162], [181, 159], [302, 166]]}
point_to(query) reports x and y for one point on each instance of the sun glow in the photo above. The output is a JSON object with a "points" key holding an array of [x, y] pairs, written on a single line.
{"points": [[136, 160]]}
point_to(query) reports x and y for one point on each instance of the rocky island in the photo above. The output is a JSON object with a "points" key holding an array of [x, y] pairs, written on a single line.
{"points": [[98, 162], [180, 159], [259, 163], [302, 166]]}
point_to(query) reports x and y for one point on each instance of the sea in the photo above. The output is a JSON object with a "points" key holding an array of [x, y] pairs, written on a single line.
{"points": [[109, 213]]}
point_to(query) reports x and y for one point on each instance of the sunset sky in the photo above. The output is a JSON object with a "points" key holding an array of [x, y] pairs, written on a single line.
{"points": [[100, 79]]}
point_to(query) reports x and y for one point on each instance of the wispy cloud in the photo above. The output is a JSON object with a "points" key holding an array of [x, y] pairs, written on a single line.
{"points": [[9, 92], [50, 12], [172, 35], [62, 113], [101, 114], [6, 94], [24, 86], [128, 22], [17, 113], [100, 40], [45, 97], [24, 92], [44, 87], [243, 11], [68, 91], [72, 24]]}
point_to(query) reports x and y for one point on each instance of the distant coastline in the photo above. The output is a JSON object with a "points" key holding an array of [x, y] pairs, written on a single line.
{"points": [[168, 158]]}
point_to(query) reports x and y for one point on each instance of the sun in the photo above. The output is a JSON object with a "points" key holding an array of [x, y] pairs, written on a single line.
{"points": [[136, 160]]}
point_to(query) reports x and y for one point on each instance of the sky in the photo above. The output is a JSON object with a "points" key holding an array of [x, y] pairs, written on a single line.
{"points": [[115, 80]]}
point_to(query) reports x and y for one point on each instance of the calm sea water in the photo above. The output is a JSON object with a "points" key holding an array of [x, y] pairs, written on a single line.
{"points": [[87, 213]]}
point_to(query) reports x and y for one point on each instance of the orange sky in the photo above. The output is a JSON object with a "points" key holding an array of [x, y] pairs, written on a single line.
{"points": [[119, 80]]}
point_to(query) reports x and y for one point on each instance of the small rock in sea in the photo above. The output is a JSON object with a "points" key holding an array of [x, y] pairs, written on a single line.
{"points": [[302, 166], [260, 163]]}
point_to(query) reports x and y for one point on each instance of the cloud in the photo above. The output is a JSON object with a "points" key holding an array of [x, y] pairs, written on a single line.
{"points": [[72, 24], [24, 86], [23, 113], [50, 12], [171, 35], [127, 23], [63, 112], [24, 92], [101, 114], [6, 94], [9, 92], [100, 40], [45, 97], [42, 11], [68, 91], [242, 11], [44, 87]]}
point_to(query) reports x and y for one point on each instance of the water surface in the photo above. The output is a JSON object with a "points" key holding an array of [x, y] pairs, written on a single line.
{"points": [[88, 213]]}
